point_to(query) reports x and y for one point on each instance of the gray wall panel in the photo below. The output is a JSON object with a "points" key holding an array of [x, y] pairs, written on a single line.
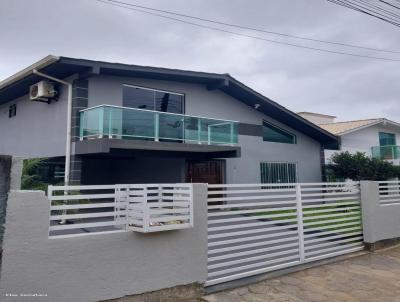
{"points": [[38, 129], [135, 170], [254, 151]]}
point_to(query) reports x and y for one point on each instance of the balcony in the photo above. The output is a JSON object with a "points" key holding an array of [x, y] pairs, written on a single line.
{"points": [[386, 152], [114, 122]]}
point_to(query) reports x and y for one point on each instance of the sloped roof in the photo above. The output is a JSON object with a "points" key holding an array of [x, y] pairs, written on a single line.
{"points": [[316, 114], [344, 127], [62, 67]]}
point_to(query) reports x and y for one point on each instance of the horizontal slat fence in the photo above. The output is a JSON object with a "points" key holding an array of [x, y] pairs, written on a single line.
{"points": [[389, 192], [88, 210], [331, 219], [256, 228], [84, 210]]}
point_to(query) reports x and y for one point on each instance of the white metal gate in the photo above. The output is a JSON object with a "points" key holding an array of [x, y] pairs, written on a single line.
{"points": [[256, 228]]}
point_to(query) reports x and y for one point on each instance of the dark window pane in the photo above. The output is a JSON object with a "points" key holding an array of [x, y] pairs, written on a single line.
{"points": [[135, 97], [277, 135], [387, 139], [168, 102], [278, 172], [138, 98], [12, 111]]}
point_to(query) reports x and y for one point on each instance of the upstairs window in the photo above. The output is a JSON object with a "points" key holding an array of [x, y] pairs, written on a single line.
{"points": [[275, 134], [152, 99], [387, 139], [12, 111]]}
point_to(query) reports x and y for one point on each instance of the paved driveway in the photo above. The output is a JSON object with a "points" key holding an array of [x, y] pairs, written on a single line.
{"points": [[368, 278]]}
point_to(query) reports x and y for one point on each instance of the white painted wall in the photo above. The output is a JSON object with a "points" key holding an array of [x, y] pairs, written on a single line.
{"points": [[38, 129]]}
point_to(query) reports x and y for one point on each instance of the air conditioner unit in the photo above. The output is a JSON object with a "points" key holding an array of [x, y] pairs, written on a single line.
{"points": [[42, 91]]}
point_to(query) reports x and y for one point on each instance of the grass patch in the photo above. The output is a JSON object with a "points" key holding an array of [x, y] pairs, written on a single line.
{"points": [[322, 220]]}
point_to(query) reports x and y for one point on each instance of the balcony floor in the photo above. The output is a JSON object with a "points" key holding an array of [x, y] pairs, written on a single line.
{"points": [[108, 145]]}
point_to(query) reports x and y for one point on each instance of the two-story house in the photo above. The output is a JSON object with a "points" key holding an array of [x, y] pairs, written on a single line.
{"points": [[376, 137], [139, 124]]}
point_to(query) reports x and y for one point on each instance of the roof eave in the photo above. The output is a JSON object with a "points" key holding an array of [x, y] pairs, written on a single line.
{"points": [[46, 61], [311, 129], [284, 109], [361, 127], [316, 114]]}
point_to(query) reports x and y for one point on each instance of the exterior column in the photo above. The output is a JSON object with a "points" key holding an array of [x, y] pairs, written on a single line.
{"points": [[76, 170], [381, 223], [17, 165], [5, 171], [370, 210], [80, 94], [322, 161]]}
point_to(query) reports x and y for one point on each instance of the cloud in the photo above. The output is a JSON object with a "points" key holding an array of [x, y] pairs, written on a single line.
{"points": [[299, 79]]}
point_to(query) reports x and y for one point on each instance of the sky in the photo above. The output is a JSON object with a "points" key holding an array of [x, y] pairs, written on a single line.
{"points": [[299, 79]]}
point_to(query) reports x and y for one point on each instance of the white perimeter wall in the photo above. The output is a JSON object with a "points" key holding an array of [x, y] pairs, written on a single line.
{"points": [[96, 267]]}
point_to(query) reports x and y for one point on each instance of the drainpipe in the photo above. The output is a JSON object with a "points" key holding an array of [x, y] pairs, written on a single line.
{"points": [[69, 113], [69, 118]]}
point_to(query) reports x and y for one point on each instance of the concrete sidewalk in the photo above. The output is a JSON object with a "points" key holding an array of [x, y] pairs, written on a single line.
{"points": [[368, 278]]}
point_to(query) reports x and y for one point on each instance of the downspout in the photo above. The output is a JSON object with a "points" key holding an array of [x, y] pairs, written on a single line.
{"points": [[69, 119]]}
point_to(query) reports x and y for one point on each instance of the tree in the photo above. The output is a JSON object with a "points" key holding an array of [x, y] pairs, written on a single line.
{"points": [[358, 166]]}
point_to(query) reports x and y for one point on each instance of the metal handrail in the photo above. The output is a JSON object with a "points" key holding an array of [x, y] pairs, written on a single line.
{"points": [[155, 111]]}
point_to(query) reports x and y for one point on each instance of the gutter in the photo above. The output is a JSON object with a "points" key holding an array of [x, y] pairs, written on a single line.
{"points": [[48, 60]]}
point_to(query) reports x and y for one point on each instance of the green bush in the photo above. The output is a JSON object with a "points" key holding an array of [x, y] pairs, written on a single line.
{"points": [[31, 179], [35, 174], [358, 166]]}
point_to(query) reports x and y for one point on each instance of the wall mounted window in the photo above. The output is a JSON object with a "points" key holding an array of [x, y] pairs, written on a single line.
{"points": [[272, 133], [387, 139], [12, 111], [152, 99], [278, 172]]}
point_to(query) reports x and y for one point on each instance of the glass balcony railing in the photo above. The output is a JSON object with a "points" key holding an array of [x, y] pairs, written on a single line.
{"points": [[386, 152], [130, 123]]}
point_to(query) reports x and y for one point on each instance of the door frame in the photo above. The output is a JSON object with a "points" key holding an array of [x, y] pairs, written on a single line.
{"points": [[223, 168]]}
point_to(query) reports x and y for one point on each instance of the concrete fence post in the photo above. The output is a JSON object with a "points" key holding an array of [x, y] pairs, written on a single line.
{"points": [[17, 164], [369, 208], [5, 167]]}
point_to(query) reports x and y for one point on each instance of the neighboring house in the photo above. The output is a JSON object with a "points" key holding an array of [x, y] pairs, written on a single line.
{"points": [[136, 124], [375, 137], [317, 118]]}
